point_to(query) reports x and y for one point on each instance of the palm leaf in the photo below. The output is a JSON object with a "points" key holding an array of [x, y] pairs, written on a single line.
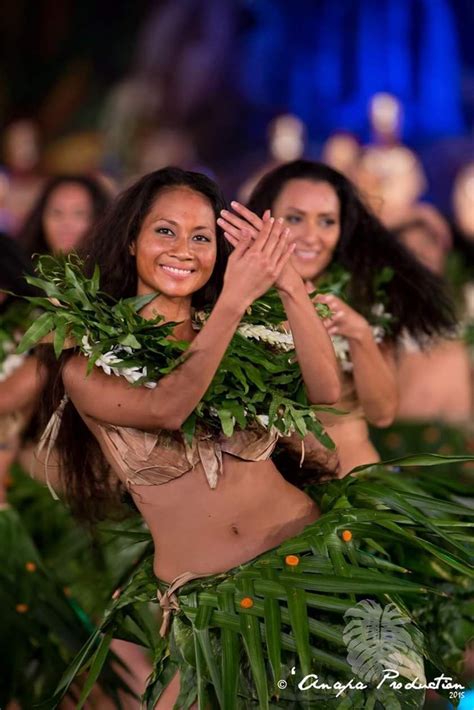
{"points": [[230, 651]]}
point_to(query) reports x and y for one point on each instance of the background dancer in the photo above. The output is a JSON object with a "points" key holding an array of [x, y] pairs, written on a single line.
{"points": [[330, 226]]}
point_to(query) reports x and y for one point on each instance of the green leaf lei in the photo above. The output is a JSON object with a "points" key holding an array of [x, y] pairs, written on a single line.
{"points": [[257, 383]]}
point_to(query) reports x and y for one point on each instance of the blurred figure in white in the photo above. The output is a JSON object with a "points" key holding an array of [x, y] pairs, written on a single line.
{"points": [[286, 141], [22, 179], [389, 175], [386, 118], [342, 152]]}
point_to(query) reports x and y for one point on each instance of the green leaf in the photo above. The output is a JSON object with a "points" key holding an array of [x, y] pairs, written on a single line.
{"points": [[130, 341], [227, 421], [296, 599], [250, 630], [59, 336], [35, 332], [416, 460], [139, 302], [98, 661], [230, 651]]}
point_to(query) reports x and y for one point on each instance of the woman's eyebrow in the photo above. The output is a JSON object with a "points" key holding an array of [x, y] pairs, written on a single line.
{"points": [[329, 213], [296, 209], [176, 224], [165, 219]]}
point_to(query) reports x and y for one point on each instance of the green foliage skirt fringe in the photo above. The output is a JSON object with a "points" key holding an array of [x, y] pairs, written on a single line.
{"points": [[246, 638], [41, 627]]}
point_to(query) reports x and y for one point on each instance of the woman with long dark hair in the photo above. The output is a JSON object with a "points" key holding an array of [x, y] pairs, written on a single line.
{"points": [[161, 236], [192, 441], [63, 215], [330, 224]]}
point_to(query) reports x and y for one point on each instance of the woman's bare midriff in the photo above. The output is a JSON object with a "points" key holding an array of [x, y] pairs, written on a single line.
{"points": [[207, 531]]}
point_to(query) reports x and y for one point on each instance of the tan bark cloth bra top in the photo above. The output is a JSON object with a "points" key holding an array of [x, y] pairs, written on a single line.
{"points": [[152, 458]]}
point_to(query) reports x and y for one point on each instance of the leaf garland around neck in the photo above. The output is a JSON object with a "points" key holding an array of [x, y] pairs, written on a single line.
{"points": [[337, 281], [258, 384]]}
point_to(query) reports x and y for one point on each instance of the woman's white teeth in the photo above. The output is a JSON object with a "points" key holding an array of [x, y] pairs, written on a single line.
{"points": [[306, 253], [175, 270]]}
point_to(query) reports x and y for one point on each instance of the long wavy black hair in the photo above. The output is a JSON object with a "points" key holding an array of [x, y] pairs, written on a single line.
{"points": [[86, 478], [416, 298], [32, 236], [14, 265]]}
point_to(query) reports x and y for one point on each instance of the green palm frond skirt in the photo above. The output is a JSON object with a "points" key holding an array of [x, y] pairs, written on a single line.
{"points": [[273, 633]]}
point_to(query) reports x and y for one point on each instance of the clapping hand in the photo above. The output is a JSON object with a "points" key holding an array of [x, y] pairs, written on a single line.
{"points": [[243, 223]]}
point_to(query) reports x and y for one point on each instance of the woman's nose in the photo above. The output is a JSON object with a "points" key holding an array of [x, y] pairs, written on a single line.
{"points": [[181, 248], [310, 236]]}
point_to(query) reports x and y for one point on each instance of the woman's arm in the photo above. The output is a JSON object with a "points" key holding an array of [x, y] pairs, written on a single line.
{"points": [[316, 356], [167, 406], [374, 366], [314, 350], [252, 269], [23, 388]]}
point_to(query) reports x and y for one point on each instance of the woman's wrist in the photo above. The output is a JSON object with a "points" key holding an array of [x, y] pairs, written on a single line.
{"points": [[232, 303], [360, 333], [292, 290]]}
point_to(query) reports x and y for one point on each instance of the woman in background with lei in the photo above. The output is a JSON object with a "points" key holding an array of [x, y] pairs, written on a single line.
{"points": [[238, 551], [331, 225]]}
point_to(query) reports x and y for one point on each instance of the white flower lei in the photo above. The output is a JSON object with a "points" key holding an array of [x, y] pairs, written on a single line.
{"points": [[108, 362], [276, 336], [284, 340]]}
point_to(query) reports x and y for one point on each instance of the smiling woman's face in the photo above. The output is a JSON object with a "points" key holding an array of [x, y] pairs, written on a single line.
{"points": [[312, 211], [176, 247]]}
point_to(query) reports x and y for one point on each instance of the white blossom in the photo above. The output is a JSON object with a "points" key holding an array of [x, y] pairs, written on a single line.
{"points": [[378, 310], [283, 341], [11, 363], [110, 361]]}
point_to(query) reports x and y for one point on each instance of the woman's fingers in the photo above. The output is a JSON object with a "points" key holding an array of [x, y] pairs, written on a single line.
{"points": [[232, 240], [237, 232], [229, 218], [263, 235], [279, 245], [242, 245], [285, 257], [248, 215], [277, 237]]}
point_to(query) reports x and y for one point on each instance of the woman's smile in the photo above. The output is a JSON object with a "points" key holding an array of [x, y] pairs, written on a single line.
{"points": [[177, 272], [306, 254]]}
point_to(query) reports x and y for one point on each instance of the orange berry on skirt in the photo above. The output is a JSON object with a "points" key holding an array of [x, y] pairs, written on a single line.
{"points": [[292, 560], [30, 567], [246, 603], [347, 535], [21, 608]]}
